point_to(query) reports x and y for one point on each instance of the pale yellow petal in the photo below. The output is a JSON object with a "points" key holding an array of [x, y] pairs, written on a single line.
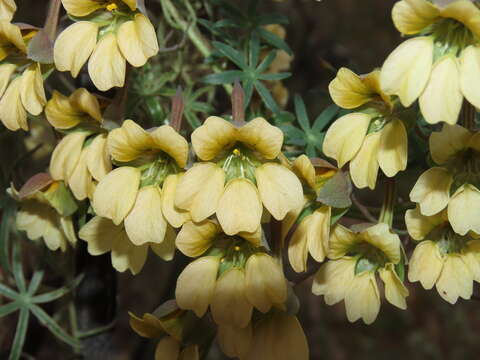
{"points": [[406, 70], [7, 9], [86, 103], [215, 135], [426, 264], [196, 238], [345, 137], [74, 46], [432, 190], [464, 210], [362, 300], [60, 113], [12, 113], [280, 190], [470, 74], [465, 12], [419, 226], [166, 249], [167, 349], [100, 233], [297, 247], [341, 241], [456, 280], [32, 91], [98, 159], [288, 340], [412, 16], [66, 155], [304, 169], [115, 194], [174, 215], [393, 149], [471, 257], [333, 279], [82, 7], [239, 208], [145, 223], [364, 166], [107, 65], [230, 305], [171, 142], [129, 141], [80, 179], [265, 282], [200, 189], [442, 99], [395, 291], [449, 141], [10, 33], [137, 40], [259, 135], [196, 284], [319, 233], [235, 342], [382, 238], [127, 256], [6, 71], [348, 90]]}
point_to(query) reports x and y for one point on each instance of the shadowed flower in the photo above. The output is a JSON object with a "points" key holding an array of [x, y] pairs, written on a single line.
{"points": [[373, 137], [439, 65], [442, 258], [110, 33], [350, 275], [238, 175]]}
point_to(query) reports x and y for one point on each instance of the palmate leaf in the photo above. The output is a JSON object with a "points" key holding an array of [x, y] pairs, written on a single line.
{"points": [[20, 334]]}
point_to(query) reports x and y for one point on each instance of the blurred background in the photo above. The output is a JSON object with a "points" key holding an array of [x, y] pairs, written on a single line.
{"points": [[324, 36]]}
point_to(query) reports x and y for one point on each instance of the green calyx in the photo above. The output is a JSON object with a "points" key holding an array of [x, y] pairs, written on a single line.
{"points": [[240, 163], [450, 37], [156, 171], [369, 258], [465, 167]]}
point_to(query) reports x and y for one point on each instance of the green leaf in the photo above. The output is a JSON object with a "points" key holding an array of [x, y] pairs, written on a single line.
{"points": [[266, 62], [310, 150], [325, 118], [233, 55], [274, 40], [275, 76], [267, 97], [248, 90], [301, 111], [20, 334], [9, 308], [7, 216], [58, 293], [52, 325], [17, 266], [226, 77], [35, 282], [336, 191], [292, 131], [254, 50], [7, 292], [337, 214], [272, 19]]}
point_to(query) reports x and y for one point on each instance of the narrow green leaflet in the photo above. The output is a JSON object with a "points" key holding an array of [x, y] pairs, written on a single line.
{"points": [[8, 214], [20, 334]]}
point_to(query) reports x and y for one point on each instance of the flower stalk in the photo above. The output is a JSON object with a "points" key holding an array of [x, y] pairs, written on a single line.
{"points": [[390, 196]]}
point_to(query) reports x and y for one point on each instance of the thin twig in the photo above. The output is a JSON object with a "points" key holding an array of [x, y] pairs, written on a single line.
{"points": [[363, 209]]}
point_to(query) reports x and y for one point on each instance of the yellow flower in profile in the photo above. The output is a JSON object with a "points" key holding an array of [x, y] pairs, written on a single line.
{"points": [[232, 276], [117, 33], [439, 65], [103, 236], [313, 232], [372, 138], [238, 176], [350, 275], [452, 184], [7, 9], [140, 192], [21, 81], [45, 212], [442, 258], [81, 158], [168, 327]]}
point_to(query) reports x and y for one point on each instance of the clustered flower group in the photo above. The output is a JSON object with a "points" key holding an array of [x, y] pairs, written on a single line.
{"points": [[146, 189]]}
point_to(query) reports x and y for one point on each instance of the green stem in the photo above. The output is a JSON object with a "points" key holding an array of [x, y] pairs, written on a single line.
{"points": [[389, 199], [176, 20], [52, 18]]}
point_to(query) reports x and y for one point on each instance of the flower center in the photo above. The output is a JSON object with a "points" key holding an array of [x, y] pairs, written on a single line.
{"points": [[112, 6], [450, 37], [239, 163], [369, 258]]}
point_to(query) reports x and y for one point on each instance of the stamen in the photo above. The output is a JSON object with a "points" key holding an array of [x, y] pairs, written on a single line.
{"points": [[236, 152], [237, 248], [112, 6]]}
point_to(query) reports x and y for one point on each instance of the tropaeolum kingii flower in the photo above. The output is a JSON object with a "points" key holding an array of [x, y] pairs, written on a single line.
{"points": [[238, 175], [110, 33], [454, 184], [439, 64], [372, 137]]}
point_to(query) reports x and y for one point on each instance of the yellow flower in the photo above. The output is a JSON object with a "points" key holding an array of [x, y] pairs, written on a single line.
{"points": [[103, 236], [238, 176], [442, 258], [235, 342], [440, 65], [21, 82], [452, 184], [350, 275], [313, 232], [40, 215], [123, 35], [168, 328], [279, 336], [7, 9], [232, 278], [140, 192], [371, 139]]}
